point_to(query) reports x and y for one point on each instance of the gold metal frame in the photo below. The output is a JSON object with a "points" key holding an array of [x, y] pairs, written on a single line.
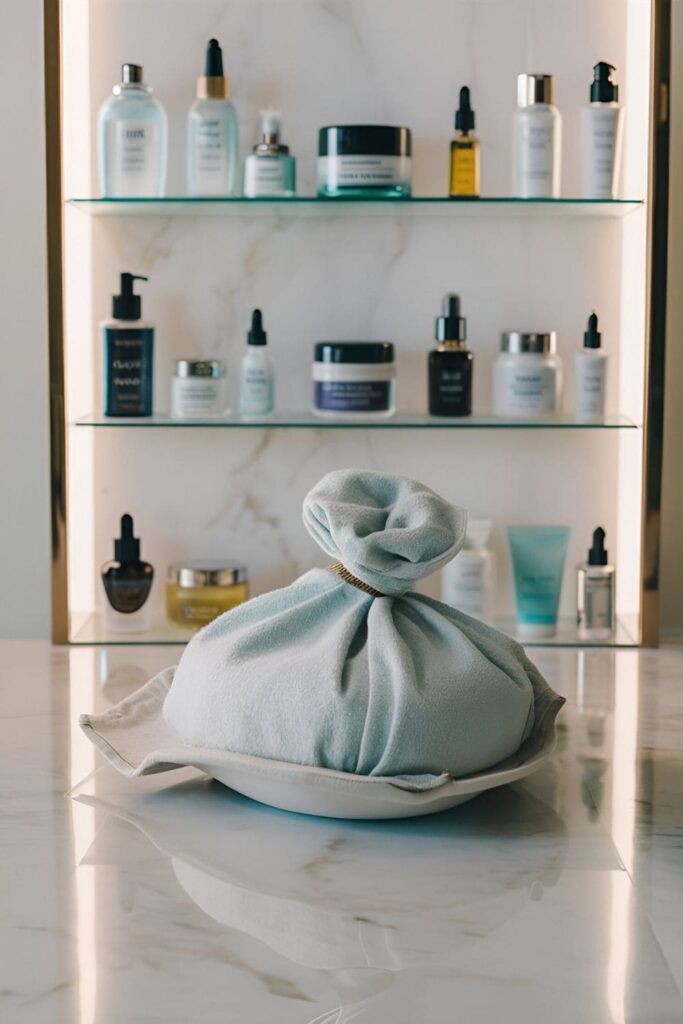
{"points": [[655, 340]]}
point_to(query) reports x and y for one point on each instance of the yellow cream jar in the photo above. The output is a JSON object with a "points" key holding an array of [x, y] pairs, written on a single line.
{"points": [[198, 592]]}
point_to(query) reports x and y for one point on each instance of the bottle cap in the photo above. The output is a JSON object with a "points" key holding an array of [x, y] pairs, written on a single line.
{"points": [[256, 335], [127, 547], [127, 305], [535, 89], [591, 337], [518, 342], [131, 74], [450, 326], [213, 85], [464, 115], [598, 554], [603, 89]]}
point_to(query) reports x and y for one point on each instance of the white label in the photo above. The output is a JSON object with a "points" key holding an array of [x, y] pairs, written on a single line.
{"points": [[256, 393], [537, 154], [527, 389], [265, 176], [134, 154], [196, 396], [467, 583], [591, 373], [601, 146], [363, 171]]}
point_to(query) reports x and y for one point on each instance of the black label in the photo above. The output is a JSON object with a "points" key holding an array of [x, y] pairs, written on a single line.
{"points": [[128, 371], [353, 396]]}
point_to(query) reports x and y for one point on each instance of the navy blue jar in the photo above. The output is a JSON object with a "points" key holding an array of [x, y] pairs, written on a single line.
{"points": [[128, 355], [354, 379]]}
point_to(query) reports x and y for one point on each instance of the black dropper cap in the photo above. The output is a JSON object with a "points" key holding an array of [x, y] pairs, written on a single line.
{"points": [[127, 547], [214, 60], [256, 335], [464, 115], [597, 554], [603, 89], [127, 305], [450, 326], [591, 337]]}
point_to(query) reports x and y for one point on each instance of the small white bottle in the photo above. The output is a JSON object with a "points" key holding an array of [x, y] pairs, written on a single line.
{"points": [[132, 139], [591, 375], [212, 132], [468, 581], [527, 376], [256, 377], [270, 170], [601, 131], [537, 139]]}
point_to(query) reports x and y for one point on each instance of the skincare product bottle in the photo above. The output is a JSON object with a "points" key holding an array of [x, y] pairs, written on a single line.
{"points": [[601, 131], [198, 592], [537, 139], [591, 375], [132, 139], [372, 161], [198, 389], [212, 133], [354, 379], [527, 376], [464, 180], [596, 591], [538, 554], [256, 378], [128, 355], [127, 582], [269, 170], [450, 364], [468, 581]]}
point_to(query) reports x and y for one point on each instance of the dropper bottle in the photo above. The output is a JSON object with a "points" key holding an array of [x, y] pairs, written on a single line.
{"points": [[212, 132], [591, 374], [464, 180], [596, 592], [256, 376], [269, 170]]}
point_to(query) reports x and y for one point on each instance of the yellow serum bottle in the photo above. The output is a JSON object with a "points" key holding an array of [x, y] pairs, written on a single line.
{"points": [[464, 151]]}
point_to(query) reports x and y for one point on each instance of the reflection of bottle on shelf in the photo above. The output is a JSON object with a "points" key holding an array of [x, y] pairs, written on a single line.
{"points": [[127, 582]]}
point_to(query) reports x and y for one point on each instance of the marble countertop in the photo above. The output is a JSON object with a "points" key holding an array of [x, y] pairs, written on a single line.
{"points": [[172, 899]]}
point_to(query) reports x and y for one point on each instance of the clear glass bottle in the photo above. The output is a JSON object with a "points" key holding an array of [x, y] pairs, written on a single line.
{"points": [[270, 170], [256, 376], [212, 132], [132, 140], [464, 179]]}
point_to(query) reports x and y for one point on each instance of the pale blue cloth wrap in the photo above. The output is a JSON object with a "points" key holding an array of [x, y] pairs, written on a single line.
{"points": [[321, 673]]}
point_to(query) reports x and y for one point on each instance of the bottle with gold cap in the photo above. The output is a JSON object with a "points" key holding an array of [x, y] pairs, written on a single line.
{"points": [[212, 133]]}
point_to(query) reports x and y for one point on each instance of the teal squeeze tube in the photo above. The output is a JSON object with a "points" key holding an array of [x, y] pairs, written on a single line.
{"points": [[538, 554]]}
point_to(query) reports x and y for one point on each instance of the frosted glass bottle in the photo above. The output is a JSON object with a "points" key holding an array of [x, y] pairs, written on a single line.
{"points": [[212, 132], [132, 137], [537, 139]]}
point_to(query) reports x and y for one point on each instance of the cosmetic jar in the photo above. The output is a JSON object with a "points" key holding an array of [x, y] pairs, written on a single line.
{"points": [[364, 160], [527, 376], [198, 592], [198, 389], [354, 379]]}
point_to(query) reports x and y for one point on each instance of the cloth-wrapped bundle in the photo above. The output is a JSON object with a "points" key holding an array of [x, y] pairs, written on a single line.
{"points": [[348, 669]]}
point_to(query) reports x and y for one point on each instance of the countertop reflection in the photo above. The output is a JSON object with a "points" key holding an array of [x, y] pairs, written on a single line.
{"points": [[172, 899]]}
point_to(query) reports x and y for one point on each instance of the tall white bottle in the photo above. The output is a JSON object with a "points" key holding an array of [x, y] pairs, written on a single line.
{"points": [[601, 130], [257, 392], [132, 138], [468, 582], [537, 139], [212, 132], [591, 375]]}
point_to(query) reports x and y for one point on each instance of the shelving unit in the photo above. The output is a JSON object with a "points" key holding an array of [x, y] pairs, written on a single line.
{"points": [[323, 268]]}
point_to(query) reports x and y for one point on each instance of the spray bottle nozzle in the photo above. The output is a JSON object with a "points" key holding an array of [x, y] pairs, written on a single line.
{"points": [[127, 546], [464, 116], [256, 334], [592, 336], [214, 59], [127, 305], [597, 554], [603, 89]]}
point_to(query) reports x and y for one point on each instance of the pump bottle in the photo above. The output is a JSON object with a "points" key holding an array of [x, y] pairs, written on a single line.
{"points": [[450, 364], [256, 377], [464, 180], [127, 582], [591, 375], [212, 132], [128, 355], [601, 131], [269, 170], [596, 592]]}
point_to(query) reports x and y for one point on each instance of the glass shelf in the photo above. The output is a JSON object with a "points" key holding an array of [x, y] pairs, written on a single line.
{"points": [[89, 630], [439, 206], [401, 421]]}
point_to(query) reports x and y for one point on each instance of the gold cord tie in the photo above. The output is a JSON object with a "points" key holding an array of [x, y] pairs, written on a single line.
{"points": [[340, 570]]}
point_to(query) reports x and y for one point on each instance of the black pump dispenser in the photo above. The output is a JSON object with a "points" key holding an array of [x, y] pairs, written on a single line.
{"points": [[256, 335], [603, 89], [214, 59], [127, 547], [591, 337], [598, 554], [450, 326], [464, 115], [127, 305]]}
